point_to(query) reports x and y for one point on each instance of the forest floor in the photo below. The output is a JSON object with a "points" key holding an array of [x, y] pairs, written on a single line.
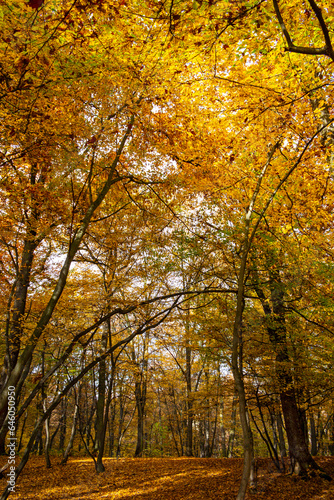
{"points": [[164, 479]]}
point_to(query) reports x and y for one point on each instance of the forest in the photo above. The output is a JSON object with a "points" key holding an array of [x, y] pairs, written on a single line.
{"points": [[166, 234]]}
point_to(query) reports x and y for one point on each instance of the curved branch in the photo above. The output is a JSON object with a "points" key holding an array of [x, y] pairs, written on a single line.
{"points": [[327, 50]]}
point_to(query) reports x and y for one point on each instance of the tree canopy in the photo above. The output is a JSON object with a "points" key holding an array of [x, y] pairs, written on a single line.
{"points": [[165, 225]]}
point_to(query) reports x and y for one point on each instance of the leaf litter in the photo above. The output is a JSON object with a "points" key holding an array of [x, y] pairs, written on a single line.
{"points": [[165, 479]]}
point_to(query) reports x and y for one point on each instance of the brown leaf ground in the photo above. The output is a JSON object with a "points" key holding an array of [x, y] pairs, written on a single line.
{"points": [[164, 479]]}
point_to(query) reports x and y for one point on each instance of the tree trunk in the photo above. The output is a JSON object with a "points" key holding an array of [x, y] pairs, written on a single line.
{"points": [[14, 326], [231, 435], [38, 444], [239, 384], [189, 425], [22, 430], [47, 420], [47, 440], [140, 392], [73, 430], [276, 327], [25, 358], [140, 395], [281, 439], [112, 424], [314, 444], [99, 422], [63, 425], [331, 445]]}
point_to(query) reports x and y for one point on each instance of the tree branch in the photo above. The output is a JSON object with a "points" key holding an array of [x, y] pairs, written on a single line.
{"points": [[327, 50]]}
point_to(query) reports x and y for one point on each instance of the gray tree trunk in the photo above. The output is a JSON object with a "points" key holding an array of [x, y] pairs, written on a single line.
{"points": [[73, 430]]}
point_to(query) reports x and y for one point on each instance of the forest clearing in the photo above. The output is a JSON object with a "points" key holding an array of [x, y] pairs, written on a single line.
{"points": [[165, 479]]}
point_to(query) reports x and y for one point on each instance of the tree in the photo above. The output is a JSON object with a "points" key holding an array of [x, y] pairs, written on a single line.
{"points": [[85, 137]]}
